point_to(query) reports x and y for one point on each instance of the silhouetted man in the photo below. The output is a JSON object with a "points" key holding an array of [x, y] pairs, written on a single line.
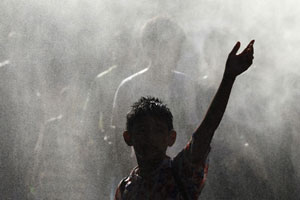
{"points": [[162, 41]]}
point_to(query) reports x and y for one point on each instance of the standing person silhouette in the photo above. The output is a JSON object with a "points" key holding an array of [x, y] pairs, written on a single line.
{"points": [[97, 112], [149, 130], [162, 41]]}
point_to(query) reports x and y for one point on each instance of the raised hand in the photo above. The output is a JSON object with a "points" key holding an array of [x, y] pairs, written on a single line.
{"points": [[237, 64]]}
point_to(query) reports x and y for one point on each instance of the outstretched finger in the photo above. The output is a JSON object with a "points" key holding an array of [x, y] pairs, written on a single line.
{"points": [[250, 43], [235, 48], [249, 47]]}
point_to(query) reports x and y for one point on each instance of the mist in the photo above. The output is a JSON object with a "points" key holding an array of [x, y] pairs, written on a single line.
{"points": [[51, 52]]}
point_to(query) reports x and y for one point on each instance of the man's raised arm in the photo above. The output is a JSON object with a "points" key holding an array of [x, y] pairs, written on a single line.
{"points": [[235, 65]]}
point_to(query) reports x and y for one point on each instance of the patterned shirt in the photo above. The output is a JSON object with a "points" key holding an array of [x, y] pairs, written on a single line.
{"points": [[170, 181]]}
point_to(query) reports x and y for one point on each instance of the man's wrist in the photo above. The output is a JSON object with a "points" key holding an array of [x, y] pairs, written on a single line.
{"points": [[228, 77]]}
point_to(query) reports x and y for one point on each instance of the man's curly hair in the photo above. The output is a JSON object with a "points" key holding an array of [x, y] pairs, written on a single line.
{"points": [[149, 106]]}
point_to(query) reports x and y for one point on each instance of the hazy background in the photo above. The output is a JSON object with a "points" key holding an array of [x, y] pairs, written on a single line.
{"points": [[51, 51]]}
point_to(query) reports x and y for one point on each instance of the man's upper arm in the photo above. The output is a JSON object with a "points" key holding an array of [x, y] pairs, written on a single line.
{"points": [[193, 174], [198, 149], [120, 190]]}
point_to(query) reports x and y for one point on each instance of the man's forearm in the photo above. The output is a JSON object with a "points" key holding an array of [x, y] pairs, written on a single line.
{"points": [[236, 64], [204, 133]]}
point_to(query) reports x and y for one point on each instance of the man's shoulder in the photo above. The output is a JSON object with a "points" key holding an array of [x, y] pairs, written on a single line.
{"points": [[179, 74], [124, 182], [107, 74], [134, 78], [108, 81], [129, 83], [183, 77], [120, 189], [7, 70]]}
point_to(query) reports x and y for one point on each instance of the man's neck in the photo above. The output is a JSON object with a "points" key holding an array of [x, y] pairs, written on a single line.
{"points": [[146, 167], [160, 73]]}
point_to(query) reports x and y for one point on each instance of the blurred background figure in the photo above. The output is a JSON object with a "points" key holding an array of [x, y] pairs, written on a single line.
{"points": [[97, 112], [162, 41], [57, 170], [14, 182], [21, 117]]}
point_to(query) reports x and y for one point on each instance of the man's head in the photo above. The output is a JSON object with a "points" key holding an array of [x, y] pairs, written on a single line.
{"points": [[162, 40], [149, 128]]}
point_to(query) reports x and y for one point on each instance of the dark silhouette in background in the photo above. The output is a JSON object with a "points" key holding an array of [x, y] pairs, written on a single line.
{"points": [[162, 41], [21, 115], [97, 112]]}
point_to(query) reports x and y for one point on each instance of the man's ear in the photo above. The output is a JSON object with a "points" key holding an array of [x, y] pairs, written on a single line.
{"points": [[172, 138], [127, 138]]}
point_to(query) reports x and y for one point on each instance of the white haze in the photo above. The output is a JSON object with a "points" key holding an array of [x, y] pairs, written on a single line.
{"points": [[80, 38]]}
